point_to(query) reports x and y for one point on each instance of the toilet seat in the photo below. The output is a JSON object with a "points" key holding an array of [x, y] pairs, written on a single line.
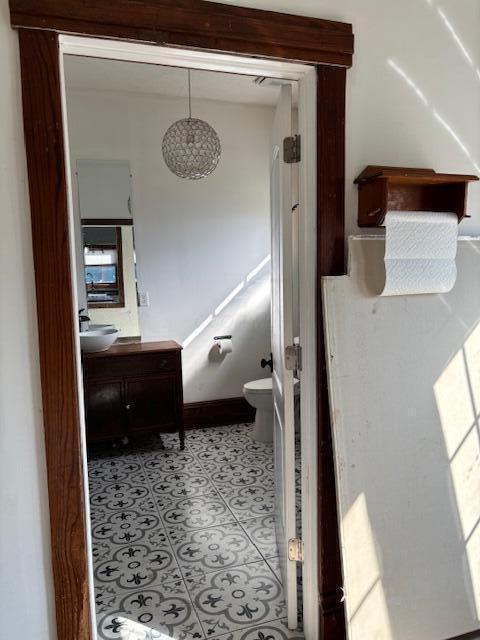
{"points": [[264, 385], [258, 386]]}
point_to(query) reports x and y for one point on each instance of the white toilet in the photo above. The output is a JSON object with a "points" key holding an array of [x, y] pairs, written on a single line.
{"points": [[258, 394]]}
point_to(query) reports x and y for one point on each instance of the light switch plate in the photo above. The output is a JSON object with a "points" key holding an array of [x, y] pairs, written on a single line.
{"points": [[143, 299]]}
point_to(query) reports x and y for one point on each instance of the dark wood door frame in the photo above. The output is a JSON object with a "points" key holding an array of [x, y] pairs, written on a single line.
{"points": [[191, 24]]}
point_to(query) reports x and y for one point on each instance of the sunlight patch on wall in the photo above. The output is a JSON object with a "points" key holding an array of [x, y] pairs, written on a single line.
{"points": [[366, 604], [457, 393], [462, 146], [257, 297], [226, 301], [258, 268], [456, 38], [242, 305], [408, 80], [196, 332], [454, 404], [466, 468]]}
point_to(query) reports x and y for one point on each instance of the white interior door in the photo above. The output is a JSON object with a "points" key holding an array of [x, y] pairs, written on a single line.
{"points": [[282, 336]]}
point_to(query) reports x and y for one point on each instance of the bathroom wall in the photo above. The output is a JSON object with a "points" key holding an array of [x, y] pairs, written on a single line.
{"points": [[202, 246], [387, 122]]}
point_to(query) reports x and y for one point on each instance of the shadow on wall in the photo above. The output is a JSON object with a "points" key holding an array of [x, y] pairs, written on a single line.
{"points": [[244, 313]]}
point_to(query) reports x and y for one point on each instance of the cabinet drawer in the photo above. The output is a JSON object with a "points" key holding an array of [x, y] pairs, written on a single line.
{"points": [[132, 365]]}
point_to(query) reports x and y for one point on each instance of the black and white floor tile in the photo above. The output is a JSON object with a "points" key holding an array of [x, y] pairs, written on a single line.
{"points": [[148, 614], [275, 630], [184, 541], [207, 550], [231, 599], [262, 533]]}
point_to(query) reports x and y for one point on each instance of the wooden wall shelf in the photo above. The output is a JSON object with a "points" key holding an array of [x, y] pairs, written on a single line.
{"points": [[383, 189]]}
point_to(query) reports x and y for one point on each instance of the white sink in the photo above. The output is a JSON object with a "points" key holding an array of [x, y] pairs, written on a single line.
{"points": [[100, 327], [98, 339]]}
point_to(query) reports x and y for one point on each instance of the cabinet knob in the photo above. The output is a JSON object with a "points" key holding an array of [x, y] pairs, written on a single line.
{"points": [[127, 407]]}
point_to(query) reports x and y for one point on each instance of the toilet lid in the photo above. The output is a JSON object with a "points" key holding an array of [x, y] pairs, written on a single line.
{"points": [[263, 385], [258, 386]]}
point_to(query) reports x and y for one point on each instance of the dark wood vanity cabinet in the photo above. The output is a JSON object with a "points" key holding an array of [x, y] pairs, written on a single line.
{"points": [[133, 388]]}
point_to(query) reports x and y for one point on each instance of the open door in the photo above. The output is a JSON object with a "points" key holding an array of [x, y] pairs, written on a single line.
{"points": [[282, 344]]}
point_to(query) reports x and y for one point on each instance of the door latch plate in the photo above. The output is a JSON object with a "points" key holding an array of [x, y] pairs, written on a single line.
{"points": [[295, 550], [291, 149], [293, 357]]}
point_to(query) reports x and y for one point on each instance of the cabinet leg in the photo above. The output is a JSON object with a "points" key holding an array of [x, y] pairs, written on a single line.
{"points": [[181, 435]]}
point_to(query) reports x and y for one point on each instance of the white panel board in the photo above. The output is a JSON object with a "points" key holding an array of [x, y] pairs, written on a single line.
{"points": [[405, 398]]}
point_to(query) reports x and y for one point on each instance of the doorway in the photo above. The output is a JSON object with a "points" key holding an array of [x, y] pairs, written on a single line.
{"points": [[113, 578], [326, 46]]}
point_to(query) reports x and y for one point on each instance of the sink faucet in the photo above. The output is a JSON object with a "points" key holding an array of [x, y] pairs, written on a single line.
{"points": [[82, 320]]}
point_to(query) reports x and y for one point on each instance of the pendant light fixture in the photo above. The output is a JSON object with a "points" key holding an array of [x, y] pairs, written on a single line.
{"points": [[191, 147]]}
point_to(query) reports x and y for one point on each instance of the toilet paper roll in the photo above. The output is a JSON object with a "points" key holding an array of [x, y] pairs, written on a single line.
{"points": [[420, 252], [224, 346]]}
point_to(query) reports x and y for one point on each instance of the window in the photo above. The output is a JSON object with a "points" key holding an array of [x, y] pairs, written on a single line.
{"points": [[102, 248]]}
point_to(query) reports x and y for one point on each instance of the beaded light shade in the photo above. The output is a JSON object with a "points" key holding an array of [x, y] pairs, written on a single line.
{"points": [[191, 147]]}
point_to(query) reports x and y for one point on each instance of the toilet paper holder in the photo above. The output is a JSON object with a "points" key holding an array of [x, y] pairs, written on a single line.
{"points": [[383, 189], [223, 344]]}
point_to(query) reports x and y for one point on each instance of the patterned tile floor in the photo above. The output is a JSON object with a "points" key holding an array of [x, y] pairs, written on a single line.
{"points": [[184, 541]]}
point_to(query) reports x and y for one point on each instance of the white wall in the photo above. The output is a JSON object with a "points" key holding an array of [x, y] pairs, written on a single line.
{"points": [[388, 122], [26, 602], [405, 405], [196, 241]]}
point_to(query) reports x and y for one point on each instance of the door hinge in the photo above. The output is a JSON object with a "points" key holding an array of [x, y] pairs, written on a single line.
{"points": [[295, 550], [292, 149], [293, 357]]}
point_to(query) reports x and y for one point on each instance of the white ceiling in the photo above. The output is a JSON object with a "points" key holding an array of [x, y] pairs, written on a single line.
{"points": [[117, 75]]}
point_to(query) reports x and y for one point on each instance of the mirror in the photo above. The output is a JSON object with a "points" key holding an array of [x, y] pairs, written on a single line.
{"points": [[105, 245]]}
